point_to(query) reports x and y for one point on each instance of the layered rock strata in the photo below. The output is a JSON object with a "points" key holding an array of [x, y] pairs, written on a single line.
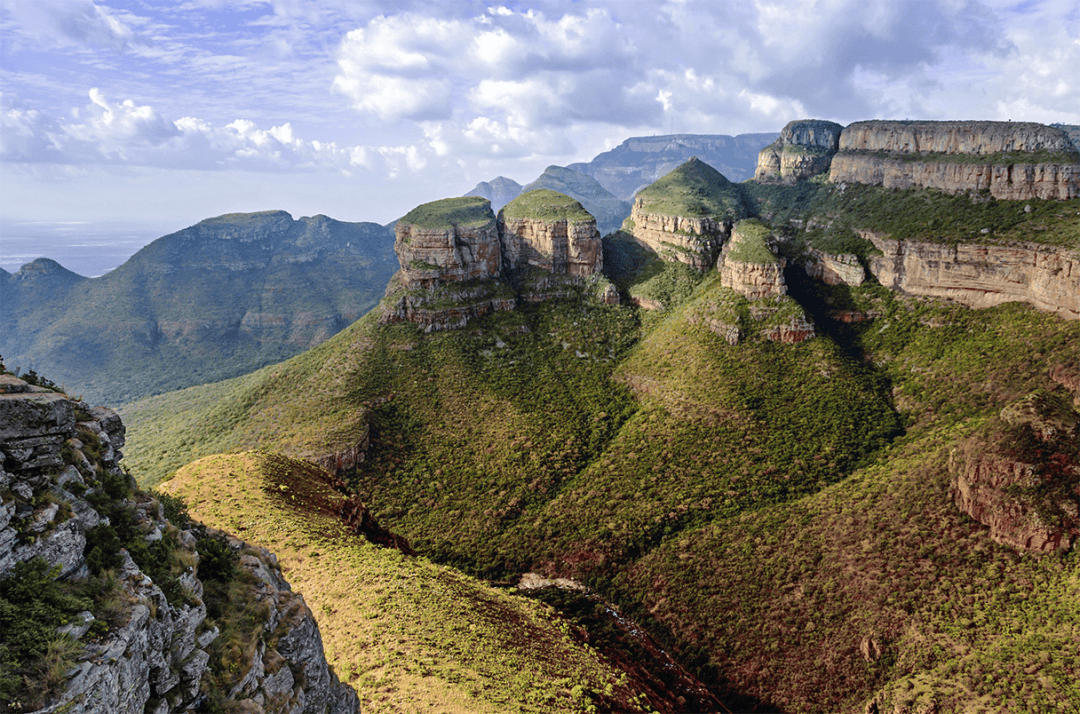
{"points": [[981, 275], [156, 654], [749, 266], [1013, 161], [693, 240], [805, 148], [834, 268], [456, 258], [1021, 476]]}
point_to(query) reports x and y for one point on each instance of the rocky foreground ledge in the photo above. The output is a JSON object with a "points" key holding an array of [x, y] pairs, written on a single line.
{"points": [[140, 649]]}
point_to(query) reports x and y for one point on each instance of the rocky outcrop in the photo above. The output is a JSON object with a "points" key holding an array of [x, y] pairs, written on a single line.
{"points": [[1020, 476], [150, 650], [805, 148], [981, 275], [748, 265], [445, 307], [440, 250], [693, 240], [834, 269], [1013, 161], [550, 231]]}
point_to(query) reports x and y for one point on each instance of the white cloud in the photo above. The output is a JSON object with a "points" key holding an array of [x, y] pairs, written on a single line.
{"points": [[77, 22]]}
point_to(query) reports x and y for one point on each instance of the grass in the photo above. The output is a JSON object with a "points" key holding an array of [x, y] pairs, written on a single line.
{"points": [[546, 205], [693, 190], [468, 211], [749, 243], [463, 646]]}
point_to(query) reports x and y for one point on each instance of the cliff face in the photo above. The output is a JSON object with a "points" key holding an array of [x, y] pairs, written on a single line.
{"points": [[981, 275], [1021, 476], [436, 256], [805, 148], [686, 239], [148, 651], [1011, 160]]}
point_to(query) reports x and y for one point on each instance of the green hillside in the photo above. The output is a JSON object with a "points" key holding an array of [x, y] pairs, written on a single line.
{"points": [[545, 204], [780, 516], [212, 301], [694, 189], [470, 211], [608, 209]]}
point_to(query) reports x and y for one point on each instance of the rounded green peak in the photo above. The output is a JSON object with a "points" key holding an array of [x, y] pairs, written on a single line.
{"points": [[472, 211], [694, 189], [749, 243], [546, 205]]}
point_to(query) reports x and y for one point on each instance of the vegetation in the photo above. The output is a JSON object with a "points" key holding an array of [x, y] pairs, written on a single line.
{"points": [[1000, 158], [463, 647], [694, 189], [467, 211], [749, 243], [546, 205]]}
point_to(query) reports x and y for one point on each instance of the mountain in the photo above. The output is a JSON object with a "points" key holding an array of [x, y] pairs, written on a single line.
{"points": [[218, 299], [500, 191], [833, 466], [639, 161]]}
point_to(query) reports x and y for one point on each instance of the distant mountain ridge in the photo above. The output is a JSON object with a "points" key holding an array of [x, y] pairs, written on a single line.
{"points": [[214, 300]]}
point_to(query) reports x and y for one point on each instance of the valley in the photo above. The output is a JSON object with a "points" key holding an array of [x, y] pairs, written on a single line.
{"points": [[817, 434]]}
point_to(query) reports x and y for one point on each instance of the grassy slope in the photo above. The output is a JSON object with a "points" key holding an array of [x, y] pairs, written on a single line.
{"points": [[471, 211], [409, 635], [692, 479], [694, 189]]}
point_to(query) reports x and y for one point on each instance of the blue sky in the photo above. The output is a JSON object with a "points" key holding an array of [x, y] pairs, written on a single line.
{"points": [[170, 112]]}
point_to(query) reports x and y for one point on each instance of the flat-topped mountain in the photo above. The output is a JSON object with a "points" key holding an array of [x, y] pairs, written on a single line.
{"points": [[215, 300]]}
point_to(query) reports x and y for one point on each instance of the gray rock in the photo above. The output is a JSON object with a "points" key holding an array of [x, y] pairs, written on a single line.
{"points": [[79, 627]]}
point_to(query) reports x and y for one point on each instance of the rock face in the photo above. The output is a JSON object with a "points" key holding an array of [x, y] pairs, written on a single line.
{"points": [[457, 259], [1013, 161], [749, 266], [550, 231], [608, 210], [687, 215], [805, 148], [982, 275], [155, 654], [1021, 475], [834, 269]]}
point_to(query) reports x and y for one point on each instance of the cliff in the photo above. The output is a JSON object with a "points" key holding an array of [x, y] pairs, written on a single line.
{"points": [[805, 148], [1010, 160], [457, 260], [1020, 476], [94, 577], [608, 210], [686, 215], [749, 267], [982, 275], [548, 230]]}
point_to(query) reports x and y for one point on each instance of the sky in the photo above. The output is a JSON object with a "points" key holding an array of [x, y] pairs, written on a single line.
{"points": [[157, 114]]}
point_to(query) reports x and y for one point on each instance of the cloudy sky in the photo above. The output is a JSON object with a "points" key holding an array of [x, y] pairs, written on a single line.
{"points": [[170, 111]]}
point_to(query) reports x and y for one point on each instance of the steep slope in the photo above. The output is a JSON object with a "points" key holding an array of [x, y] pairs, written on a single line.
{"points": [[106, 606], [212, 301], [408, 634]]}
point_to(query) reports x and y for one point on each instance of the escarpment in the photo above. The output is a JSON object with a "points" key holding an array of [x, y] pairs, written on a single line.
{"points": [[981, 275], [1012, 161], [805, 148], [126, 603], [687, 215], [457, 260], [1020, 475]]}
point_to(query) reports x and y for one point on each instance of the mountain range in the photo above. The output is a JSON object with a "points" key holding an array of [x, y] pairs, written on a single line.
{"points": [[805, 443]]}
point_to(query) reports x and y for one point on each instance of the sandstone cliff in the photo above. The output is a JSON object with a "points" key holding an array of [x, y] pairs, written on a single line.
{"points": [[548, 230], [687, 214], [982, 275], [1020, 476], [805, 148], [1013, 161], [749, 266], [147, 645]]}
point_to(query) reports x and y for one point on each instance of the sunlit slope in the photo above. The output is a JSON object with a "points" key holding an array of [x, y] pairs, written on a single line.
{"points": [[879, 586], [407, 634]]}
